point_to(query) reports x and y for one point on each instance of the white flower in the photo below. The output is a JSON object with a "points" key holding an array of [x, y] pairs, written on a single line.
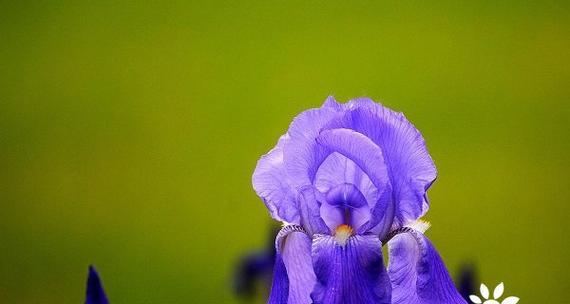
{"points": [[497, 293]]}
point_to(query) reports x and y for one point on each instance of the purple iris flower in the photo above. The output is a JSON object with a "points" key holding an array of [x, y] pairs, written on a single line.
{"points": [[345, 180]]}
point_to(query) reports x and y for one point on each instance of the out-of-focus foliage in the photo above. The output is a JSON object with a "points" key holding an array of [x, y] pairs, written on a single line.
{"points": [[129, 132]]}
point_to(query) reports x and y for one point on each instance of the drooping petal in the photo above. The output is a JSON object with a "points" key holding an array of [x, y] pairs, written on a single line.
{"points": [[272, 184], [280, 284], [293, 277], [349, 274], [417, 272], [95, 293], [410, 166]]}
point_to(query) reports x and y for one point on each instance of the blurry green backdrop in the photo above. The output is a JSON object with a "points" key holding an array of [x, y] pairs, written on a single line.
{"points": [[129, 132]]}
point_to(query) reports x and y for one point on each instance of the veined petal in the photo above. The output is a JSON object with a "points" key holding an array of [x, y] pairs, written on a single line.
{"points": [[417, 272], [352, 273], [280, 284], [410, 166], [95, 293], [272, 184], [293, 277]]}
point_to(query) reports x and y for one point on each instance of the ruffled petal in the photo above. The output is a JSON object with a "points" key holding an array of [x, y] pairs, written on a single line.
{"points": [[303, 155], [331, 102], [95, 293], [293, 277], [417, 272], [292, 164], [393, 178], [272, 184], [349, 274], [410, 166]]}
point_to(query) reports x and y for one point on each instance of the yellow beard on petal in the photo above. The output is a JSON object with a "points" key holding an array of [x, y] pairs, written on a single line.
{"points": [[342, 233]]}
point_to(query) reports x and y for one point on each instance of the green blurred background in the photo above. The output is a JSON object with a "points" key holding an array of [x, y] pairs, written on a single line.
{"points": [[129, 132]]}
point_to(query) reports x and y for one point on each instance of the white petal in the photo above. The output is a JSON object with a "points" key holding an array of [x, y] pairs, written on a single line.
{"points": [[510, 300], [498, 292], [475, 299], [484, 291]]}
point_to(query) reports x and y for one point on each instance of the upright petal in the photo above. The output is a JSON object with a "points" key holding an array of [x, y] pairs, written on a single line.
{"points": [[292, 164], [95, 293], [339, 169], [369, 157], [410, 166], [272, 184], [358, 148], [293, 277], [417, 272], [303, 155], [349, 274]]}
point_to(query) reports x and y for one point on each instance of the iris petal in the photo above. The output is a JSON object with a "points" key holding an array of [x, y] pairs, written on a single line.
{"points": [[338, 169], [417, 273], [280, 285], [410, 166], [349, 274], [369, 157], [302, 155], [272, 184], [293, 277], [360, 149], [293, 163], [310, 200]]}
